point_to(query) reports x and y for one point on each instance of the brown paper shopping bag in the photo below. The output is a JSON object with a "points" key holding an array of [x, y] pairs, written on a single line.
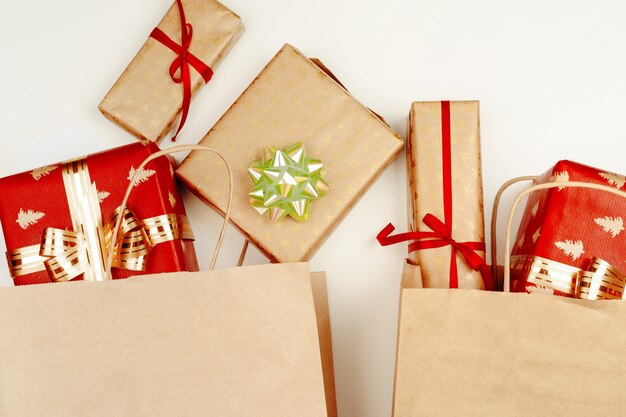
{"points": [[477, 353], [236, 342]]}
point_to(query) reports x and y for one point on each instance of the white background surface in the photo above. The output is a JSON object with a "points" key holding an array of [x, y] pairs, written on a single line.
{"points": [[550, 76]]}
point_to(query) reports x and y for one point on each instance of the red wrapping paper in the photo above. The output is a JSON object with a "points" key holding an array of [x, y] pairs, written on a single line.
{"points": [[571, 226], [43, 191]]}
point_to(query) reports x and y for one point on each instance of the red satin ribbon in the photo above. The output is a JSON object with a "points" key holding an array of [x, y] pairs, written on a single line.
{"points": [[179, 69], [441, 234]]}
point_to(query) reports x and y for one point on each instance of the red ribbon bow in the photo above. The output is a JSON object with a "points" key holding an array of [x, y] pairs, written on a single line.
{"points": [[441, 234], [439, 237], [179, 69]]}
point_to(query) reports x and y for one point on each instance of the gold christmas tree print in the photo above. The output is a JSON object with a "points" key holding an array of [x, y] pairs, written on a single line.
{"points": [[536, 235], [560, 177], [286, 182], [539, 289], [103, 195], [571, 248], [27, 218], [144, 175], [612, 225], [535, 209], [172, 199], [520, 242], [38, 173], [614, 180]]}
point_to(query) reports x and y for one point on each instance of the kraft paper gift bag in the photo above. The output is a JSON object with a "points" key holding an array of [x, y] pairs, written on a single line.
{"points": [[236, 342], [477, 353]]}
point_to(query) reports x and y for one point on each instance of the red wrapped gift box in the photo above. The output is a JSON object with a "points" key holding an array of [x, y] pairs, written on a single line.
{"points": [[56, 219], [564, 229]]}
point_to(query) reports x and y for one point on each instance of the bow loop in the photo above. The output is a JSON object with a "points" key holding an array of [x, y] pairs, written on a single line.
{"points": [[176, 70], [439, 237], [63, 250], [438, 227], [186, 40], [66, 257]]}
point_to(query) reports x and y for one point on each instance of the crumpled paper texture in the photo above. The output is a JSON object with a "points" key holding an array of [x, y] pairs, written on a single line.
{"points": [[479, 353], [425, 178], [144, 100], [235, 342], [291, 100]]}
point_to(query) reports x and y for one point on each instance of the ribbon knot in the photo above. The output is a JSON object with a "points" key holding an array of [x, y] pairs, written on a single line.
{"points": [[440, 236], [467, 249], [179, 68]]}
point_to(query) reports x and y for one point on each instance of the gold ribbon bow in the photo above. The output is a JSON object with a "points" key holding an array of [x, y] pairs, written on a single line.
{"points": [[63, 254], [599, 281], [66, 254]]}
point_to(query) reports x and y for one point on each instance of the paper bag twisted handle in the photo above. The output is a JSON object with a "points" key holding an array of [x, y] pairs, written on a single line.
{"points": [[175, 149], [517, 201], [494, 219]]}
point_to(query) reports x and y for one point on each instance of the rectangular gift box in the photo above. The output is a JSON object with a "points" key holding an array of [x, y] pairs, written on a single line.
{"points": [[445, 181], [566, 232], [294, 99], [145, 100], [57, 219]]}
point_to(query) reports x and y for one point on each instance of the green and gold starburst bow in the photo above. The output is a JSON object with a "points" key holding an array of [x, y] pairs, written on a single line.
{"points": [[286, 182]]}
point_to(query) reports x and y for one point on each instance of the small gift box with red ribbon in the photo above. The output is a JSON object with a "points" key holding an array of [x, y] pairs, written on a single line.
{"points": [[174, 63], [571, 240], [58, 219], [446, 217]]}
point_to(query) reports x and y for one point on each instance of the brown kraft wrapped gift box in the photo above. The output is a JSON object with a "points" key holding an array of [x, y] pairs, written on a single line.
{"points": [[294, 99], [425, 163], [145, 100]]}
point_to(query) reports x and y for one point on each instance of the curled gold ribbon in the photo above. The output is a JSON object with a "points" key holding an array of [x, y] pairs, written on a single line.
{"points": [[66, 254], [61, 252], [133, 244], [599, 281]]}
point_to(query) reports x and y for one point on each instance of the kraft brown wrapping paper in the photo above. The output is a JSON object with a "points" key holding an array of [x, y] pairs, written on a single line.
{"points": [[425, 179], [293, 100], [237, 342], [322, 311], [144, 100], [476, 353]]}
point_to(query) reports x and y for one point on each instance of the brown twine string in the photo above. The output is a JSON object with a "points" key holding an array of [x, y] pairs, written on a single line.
{"points": [[242, 255], [175, 149], [494, 220]]}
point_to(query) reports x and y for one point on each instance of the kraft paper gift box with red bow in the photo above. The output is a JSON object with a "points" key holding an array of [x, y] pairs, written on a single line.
{"points": [[294, 99], [566, 232], [446, 215], [173, 64], [57, 219]]}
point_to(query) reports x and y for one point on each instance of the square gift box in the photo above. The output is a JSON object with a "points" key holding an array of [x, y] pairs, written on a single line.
{"points": [[567, 233], [146, 100], [294, 99], [57, 220]]}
